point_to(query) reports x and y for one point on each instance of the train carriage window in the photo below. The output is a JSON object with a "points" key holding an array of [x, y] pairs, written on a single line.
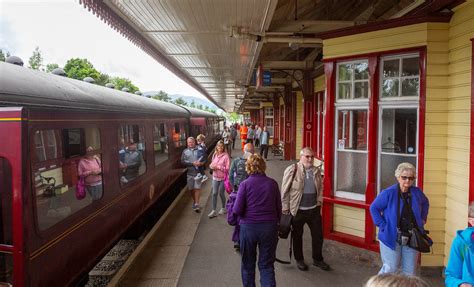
{"points": [[6, 260], [180, 134], [55, 182], [160, 143], [131, 152], [47, 144]]}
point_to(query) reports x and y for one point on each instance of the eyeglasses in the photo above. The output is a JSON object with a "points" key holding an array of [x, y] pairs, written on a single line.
{"points": [[309, 156], [410, 178]]}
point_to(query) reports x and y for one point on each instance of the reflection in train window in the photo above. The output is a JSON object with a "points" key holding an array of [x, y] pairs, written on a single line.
{"points": [[160, 143], [55, 183], [179, 134], [131, 152]]}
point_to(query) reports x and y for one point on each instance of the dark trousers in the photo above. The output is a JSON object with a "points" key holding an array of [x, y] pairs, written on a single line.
{"points": [[264, 151], [233, 143], [257, 142], [311, 217], [265, 237]]}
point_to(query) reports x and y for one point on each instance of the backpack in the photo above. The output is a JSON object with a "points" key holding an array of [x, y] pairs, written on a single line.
{"points": [[240, 172]]}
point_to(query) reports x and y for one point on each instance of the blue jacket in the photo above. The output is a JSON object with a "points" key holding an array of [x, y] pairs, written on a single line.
{"points": [[460, 267], [384, 215]]}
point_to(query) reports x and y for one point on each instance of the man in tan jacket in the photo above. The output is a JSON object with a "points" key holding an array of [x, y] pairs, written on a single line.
{"points": [[302, 196]]}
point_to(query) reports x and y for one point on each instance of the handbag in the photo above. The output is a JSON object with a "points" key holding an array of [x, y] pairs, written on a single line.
{"points": [[80, 188], [284, 228], [227, 185], [419, 240], [285, 225]]}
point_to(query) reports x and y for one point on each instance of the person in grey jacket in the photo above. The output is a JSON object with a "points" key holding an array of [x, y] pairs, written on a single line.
{"points": [[189, 158]]}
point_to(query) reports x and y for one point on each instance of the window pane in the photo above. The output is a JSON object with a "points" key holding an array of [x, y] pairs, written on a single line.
{"points": [[390, 88], [387, 169], [160, 143], [345, 72], [6, 268], [410, 67], [351, 172], [132, 151], [391, 68], [361, 71], [399, 131], [344, 91], [352, 130], [361, 90], [410, 87], [6, 211]]}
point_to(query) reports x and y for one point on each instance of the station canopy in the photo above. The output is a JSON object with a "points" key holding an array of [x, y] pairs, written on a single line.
{"points": [[218, 46]]}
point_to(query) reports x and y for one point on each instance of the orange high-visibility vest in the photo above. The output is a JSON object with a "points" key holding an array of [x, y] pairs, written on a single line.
{"points": [[243, 132]]}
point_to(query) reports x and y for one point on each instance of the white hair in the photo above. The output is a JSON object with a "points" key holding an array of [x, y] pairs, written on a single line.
{"points": [[306, 149], [404, 166]]}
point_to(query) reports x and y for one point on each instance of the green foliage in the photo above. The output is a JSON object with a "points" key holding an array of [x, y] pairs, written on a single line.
{"points": [[121, 83], [4, 56], [162, 96], [76, 68], [200, 107], [51, 67], [36, 60], [103, 79], [181, 102], [193, 104], [233, 117]]}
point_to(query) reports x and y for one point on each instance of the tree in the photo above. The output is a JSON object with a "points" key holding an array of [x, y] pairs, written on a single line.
{"points": [[206, 108], [233, 117], [121, 83], [162, 96], [180, 101], [103, 79], [51, 67], [193, 104], [199, 106], [36, 60], [76, 68], [4, 56]]}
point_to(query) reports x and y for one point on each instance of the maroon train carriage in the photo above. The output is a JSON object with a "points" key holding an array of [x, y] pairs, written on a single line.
{"points": [[48, 237]]}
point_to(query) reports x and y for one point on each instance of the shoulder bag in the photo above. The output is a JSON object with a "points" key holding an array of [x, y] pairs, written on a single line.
{"points": [[419, 240], [284, 227]]}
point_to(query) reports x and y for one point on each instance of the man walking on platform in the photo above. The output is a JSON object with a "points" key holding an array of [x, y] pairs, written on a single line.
{"points": [[233, 134], [302, 196], [189, 158]]}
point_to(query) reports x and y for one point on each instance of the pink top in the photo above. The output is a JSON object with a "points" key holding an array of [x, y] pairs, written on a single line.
{"points": [[87, 167], [220, 165]]}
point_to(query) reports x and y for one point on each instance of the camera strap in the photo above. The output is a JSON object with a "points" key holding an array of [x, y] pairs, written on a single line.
{"points": [[406, 202]]}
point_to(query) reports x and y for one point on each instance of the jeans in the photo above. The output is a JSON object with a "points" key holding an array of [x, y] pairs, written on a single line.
{"points": [[402, 255], [265, 237], [218, 188], [95, 191], [312, 217]]}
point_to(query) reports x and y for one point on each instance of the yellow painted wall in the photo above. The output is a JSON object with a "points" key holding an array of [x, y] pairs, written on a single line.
{"points": [[349, 220], [320, 83], [447, 122], [299, 123], [458, 85]]}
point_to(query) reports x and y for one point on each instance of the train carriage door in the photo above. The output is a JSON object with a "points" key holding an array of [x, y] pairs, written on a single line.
{"points": [[6, 238]]}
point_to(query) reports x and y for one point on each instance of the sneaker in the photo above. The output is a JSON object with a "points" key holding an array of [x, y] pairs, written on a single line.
{"points": [[123, 179], [196, 208], [301, 265], [321, 264], [198, 176], [212, 214], [222, 211], [204, 178], [236, 247]]}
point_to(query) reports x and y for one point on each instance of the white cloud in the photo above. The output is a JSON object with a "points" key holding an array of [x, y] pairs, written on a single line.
{"points": [[64, 29]]}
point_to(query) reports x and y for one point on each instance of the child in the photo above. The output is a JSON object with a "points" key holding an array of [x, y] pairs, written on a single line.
{"points": [[202, 157]]}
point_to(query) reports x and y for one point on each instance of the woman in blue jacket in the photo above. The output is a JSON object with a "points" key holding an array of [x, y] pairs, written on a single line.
{"points": [[460, 269], [394, 225]]}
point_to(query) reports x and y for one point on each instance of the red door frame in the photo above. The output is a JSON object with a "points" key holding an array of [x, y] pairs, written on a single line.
{"points": [[471, 169], [290, 125], [276, 120], [368, 242]]}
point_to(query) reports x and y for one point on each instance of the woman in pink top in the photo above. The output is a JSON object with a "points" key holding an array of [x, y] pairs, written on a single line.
{"points": [[220, 168], [91, 169]]}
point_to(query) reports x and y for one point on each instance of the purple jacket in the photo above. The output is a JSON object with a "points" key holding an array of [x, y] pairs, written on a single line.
{"points": [[258, 200]]}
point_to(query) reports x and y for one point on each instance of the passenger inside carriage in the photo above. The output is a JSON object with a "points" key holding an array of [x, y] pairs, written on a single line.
{"points": [[132, 162], [90, 167]]}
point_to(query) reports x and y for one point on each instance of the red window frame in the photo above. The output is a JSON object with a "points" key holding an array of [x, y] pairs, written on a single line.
{"points": [[330, 69]]}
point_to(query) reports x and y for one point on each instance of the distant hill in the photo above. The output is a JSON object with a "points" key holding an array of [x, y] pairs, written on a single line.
{"points": [[188, 99]]}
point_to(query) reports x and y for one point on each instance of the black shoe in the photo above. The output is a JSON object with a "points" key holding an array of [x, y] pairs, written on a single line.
{"points": [[301, 265], [321, 264], [236, 247]]}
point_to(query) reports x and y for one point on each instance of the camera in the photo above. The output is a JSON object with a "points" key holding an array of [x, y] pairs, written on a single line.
{"points": [[403, 237]]}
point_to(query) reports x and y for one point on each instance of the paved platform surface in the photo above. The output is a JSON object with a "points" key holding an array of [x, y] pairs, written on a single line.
{"points": [[190, 249]]}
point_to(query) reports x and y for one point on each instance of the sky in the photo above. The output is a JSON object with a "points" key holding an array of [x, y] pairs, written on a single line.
{"points": [[64, 29]]}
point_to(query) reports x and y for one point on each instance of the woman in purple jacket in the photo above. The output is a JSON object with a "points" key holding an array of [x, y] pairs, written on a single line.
{"points": [[258, 205]]}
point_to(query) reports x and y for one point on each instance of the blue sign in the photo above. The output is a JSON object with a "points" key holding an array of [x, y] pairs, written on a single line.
{"points": [[267, 78]]}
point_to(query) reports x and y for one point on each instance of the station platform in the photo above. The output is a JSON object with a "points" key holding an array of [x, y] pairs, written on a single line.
{"points": [[190, 249]]}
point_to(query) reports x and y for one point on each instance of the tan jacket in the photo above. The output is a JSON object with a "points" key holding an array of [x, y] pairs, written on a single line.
{"points": [[291, 198]]}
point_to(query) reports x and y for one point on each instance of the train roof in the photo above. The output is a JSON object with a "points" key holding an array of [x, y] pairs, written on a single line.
{"points": [[21, 86], [196, 113]]}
